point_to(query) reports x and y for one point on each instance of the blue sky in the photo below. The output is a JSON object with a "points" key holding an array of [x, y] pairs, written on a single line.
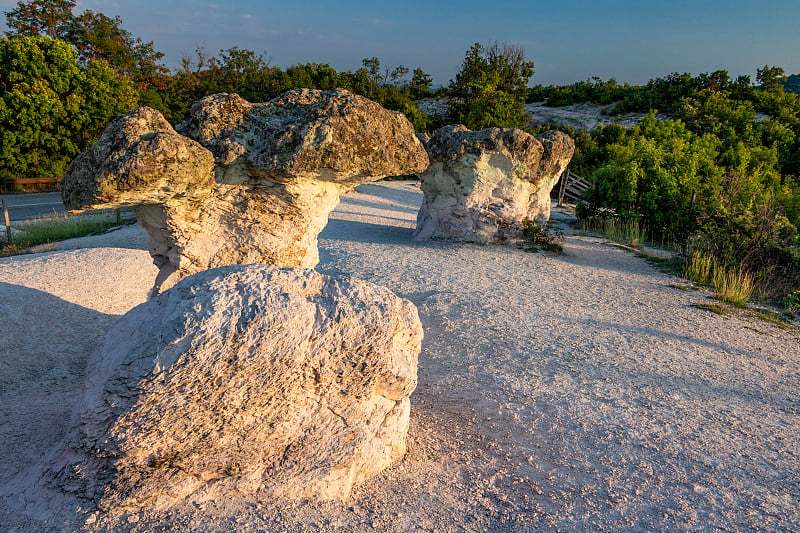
{"points": [[569, 40]]}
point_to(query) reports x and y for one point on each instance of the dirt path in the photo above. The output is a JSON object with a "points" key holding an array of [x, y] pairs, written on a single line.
{"points": [[569, 392]]}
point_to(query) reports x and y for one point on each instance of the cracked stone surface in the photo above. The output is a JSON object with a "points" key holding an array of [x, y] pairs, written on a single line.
{"points": [[481, 185], [245, 380], [237, 182]]}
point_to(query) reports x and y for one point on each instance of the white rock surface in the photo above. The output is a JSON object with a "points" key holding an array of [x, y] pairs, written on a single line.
{"points": [[481, 185], [244, 380]]}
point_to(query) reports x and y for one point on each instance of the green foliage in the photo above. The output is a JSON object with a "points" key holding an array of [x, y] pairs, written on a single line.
{"points": [[791, 302], [492, 85], [251, 76], [720, 175], [50, 108], [541, 236], [95, 37], [594, 90]]}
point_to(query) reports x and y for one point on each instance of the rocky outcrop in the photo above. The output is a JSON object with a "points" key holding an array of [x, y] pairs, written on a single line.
{"points": [[481, 185], [237, 182], [245, 380]]}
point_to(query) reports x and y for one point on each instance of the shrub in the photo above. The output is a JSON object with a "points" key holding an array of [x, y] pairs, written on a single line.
{"points": [[541, 237], [791, 302]]}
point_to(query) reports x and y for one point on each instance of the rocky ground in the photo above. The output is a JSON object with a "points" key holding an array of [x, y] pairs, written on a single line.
{"points": [[573, 392], [586, 116]]}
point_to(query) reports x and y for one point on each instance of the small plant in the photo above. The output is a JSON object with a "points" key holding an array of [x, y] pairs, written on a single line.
{"points": [[539, 237], [734, 286], [714, 308], [791, 303], [699, 267], [772, 317]]}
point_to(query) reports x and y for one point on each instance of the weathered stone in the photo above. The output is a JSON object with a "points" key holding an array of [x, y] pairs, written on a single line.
{"points": [[138, 160], [481, 185], [238, 182], [245, 380]]}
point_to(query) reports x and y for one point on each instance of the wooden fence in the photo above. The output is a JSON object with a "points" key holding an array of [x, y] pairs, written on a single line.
{"points": [[572, 187], [32, 181]]}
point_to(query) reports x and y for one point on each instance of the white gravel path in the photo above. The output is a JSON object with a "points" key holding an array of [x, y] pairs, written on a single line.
{"points": [[574, 392]]}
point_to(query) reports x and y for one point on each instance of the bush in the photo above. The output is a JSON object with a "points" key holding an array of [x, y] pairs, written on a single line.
{"points": [[541, 237]]}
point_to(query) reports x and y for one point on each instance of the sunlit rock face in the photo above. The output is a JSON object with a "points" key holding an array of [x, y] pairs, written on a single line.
{"points": [[245, 380], [481, 185], [237, 182]]}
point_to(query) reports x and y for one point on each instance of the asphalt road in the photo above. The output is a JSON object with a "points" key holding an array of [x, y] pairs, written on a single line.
{"points": [[24, 206]]}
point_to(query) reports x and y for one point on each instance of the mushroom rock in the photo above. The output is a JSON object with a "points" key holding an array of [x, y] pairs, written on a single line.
{"points": [[244, 379], [238, 182], [481, 185]]}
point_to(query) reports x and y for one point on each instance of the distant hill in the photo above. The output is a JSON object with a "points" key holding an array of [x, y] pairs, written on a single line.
{"points": [[792, 84]]}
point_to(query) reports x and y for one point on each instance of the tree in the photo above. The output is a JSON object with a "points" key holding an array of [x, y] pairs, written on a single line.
{"points": [[770, 78], [95, 37], [50, 108], [504, 63], [384, 75], [372, 65], [40, 17], [493, 82]]}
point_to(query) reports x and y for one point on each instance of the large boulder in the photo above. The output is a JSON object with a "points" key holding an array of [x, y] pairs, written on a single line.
{"points": [[481, 185], [237, 182], [245, 380]]}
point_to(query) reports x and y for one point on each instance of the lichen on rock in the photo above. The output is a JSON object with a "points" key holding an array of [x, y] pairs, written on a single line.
{"points": [[237, 182]]}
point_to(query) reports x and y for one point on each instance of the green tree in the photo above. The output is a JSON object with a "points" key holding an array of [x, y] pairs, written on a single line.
{"points": [[420, 83], [50, 108], [492, 83], [771, 78], [503, 64], [95, 36]]}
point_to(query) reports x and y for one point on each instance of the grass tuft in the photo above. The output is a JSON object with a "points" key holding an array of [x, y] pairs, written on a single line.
{"points": [[539, 237], [772, 317], [681, 287], [734, 286], [623, 231], [699, 267]]}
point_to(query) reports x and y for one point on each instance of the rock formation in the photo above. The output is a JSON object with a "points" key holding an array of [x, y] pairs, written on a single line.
{"points": [[245, 380], [237, 182], [481, 185]]}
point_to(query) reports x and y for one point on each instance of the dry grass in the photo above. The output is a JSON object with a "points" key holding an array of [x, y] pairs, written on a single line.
{"points": [[627, 232], [56, 228], [734, 286], [699, 267]]}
